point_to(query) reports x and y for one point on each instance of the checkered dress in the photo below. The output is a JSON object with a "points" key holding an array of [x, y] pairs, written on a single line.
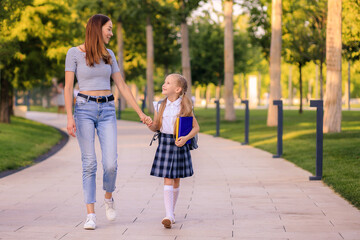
{"points": [[171, 161]]}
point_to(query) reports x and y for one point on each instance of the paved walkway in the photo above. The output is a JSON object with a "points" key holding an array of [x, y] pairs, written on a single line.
{"points": [[237, 192]]}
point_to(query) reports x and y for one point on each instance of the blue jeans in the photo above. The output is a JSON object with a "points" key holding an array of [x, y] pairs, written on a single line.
{"points": [[90, 115]]}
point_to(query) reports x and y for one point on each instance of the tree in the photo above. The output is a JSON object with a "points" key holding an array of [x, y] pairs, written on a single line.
{"points": [[298, 44], [259, 27], [185, 8], [350, 37], [207, 66], [229, 62], [9, 12], [35, 49], [275, 61], [149, 65], [207, 51], [332, 118], [316, 12]]}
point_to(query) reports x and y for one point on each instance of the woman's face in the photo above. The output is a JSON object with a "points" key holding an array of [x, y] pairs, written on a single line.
{"points": [[107, 32]]}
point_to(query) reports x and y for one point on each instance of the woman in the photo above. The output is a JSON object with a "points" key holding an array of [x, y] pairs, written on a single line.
{"points": [[93, 65]]}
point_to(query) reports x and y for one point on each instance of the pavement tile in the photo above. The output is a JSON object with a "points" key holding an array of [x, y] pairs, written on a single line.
{"points": [[237, 192]]}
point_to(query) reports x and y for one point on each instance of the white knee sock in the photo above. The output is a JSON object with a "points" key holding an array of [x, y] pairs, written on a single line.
{"points": [[169, 201], [176, 194]]}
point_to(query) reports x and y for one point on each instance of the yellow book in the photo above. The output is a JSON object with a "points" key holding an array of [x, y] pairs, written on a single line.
{"points": [[177, 129]]}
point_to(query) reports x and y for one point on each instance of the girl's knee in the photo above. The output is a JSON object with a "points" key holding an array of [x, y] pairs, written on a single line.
{"points": [[176, 182], [168, 181]]}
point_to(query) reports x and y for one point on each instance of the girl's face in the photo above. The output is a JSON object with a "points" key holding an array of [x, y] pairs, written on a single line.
{"points": [[170, 87], [107, 32]]}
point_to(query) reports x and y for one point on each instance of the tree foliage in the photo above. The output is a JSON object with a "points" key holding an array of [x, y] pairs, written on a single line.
{"points": [[207, 50], [351, 29]]}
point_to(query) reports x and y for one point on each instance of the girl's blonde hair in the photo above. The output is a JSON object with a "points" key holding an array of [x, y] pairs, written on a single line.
{"points": [[186, 104]]}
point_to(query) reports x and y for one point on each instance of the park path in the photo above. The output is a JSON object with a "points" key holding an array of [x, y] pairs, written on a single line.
{"points": [[237, 192]]}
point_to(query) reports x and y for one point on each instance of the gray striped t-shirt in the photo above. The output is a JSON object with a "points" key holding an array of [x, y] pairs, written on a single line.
{"points": [[90, 78]]}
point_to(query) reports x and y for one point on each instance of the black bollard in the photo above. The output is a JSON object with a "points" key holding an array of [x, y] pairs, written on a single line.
{"points": [[16, 98], [28, 100], [119, 109], [143, 106], [319, 138], [217, 118], [279, 103], [246, 140]]}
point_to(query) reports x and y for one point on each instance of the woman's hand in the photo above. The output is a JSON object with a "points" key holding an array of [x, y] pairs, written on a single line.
{"points": [[181, 141], [71, 127]]}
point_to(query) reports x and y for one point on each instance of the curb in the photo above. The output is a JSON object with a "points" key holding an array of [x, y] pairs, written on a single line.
{"points": [[52, 151]]}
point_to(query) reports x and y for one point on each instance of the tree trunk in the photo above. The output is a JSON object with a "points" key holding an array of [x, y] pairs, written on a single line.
{"points": [[229, 62], [120, 43], [275, 61], [301, 93], [290, 89], [149, 65], [185, 52], [5, 98], [321, 81], [197, 95], [218, 90], [241, 87], [348, 86], [259, 88], [332, 118], [316, 81], [309, 94], [207, 95], [245, 88]]}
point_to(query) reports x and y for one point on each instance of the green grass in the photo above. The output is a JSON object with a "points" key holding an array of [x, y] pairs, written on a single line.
{"points": [[341, 150], [42, 109], [23, 140]]}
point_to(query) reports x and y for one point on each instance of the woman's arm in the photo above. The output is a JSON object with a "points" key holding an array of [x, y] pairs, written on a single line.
{"points": [[68, 95], [126, 93], [196, 128]]}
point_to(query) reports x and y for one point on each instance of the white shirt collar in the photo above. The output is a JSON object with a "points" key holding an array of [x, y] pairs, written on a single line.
{"points": [[176, 102]]}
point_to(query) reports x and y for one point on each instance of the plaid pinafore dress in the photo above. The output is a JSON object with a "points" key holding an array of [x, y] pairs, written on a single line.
{"points": [[171, 161]]}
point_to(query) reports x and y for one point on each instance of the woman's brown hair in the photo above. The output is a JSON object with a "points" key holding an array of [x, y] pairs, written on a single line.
{"points": [[94, 43], [186, 104]]}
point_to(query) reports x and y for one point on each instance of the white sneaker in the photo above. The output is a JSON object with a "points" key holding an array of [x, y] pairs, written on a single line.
{"points": [[90, 223], [110, 210]]}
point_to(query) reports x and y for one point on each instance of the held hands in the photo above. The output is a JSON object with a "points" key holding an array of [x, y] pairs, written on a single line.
{"points": [[71, 127], [146, 120], [180, 141]]}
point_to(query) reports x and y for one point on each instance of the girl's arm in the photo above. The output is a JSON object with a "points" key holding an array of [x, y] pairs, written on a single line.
{"points": [[153, 127], [68, 95], [125, 91], [196, 128]]}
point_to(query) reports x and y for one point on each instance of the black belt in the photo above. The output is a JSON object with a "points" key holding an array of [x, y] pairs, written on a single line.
{"points": [[99, 99]]}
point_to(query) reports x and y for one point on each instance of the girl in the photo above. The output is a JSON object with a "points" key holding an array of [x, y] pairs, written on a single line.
{"points": [[172, 160], [93, 65]]}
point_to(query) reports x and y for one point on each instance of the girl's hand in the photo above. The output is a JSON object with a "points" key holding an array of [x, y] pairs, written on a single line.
{"points": [[180, 141], [148, 121], [71, 127]]}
